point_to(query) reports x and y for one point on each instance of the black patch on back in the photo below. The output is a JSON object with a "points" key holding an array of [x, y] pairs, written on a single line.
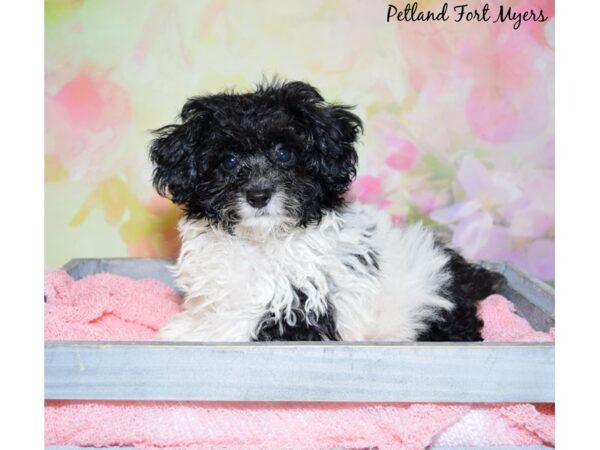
{"points": [[469, 283], [322, 328]]}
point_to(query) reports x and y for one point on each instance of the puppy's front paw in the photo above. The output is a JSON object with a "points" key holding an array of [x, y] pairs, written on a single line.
{"points": [[320, 329]]}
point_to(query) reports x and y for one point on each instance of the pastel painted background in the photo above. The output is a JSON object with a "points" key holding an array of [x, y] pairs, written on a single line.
{"points": [[459, 117]]}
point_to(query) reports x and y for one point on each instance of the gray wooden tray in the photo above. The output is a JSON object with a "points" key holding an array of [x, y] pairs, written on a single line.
{"points": [[333, 371]]}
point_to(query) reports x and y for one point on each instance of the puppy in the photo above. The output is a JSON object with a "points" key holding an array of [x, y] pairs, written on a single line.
{"points": [[271, 250]]}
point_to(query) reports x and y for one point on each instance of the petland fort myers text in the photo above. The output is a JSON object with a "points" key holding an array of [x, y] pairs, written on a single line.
{"points": [[411, 12]]}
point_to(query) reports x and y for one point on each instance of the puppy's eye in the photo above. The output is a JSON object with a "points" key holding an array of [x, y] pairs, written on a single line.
{"points": [[230, 162], [282, 154]]}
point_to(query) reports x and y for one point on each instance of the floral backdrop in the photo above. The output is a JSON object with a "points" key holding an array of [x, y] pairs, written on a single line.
{"points": [[459, 117]]}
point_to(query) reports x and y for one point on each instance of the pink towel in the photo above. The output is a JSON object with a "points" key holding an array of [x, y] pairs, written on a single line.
{"points": [[110, 307], [106, 307]]}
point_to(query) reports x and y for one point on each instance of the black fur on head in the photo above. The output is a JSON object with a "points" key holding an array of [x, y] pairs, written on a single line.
{"points": [[280, 154]]}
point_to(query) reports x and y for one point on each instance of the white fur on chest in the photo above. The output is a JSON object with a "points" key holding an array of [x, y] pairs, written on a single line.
{"points": [[231, 282]]}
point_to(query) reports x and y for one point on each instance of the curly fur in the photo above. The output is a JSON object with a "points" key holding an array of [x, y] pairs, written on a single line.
{"points": [[270, 248]]}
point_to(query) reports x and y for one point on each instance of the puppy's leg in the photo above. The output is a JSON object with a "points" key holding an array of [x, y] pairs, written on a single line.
{"points": [[468, 284], [308, 325], [197, 326], [321, 329]]}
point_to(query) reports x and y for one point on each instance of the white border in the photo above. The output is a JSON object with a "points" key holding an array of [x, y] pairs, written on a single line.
{"points": [[21, 332], [577, 219]]}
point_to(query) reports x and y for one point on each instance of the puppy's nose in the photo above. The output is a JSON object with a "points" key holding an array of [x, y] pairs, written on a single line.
{"points": [[258, 198]]}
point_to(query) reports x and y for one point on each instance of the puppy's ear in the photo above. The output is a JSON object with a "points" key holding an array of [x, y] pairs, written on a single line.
{"points": [[174, 168], [333, 129], [336, 135], [174, 152]]}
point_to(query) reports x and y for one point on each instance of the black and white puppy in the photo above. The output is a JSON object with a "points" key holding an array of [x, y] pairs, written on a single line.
{"points": [[271, 250]]}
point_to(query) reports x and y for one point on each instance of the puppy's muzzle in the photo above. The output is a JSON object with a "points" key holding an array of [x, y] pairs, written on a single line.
{"points": [[258, 197]]}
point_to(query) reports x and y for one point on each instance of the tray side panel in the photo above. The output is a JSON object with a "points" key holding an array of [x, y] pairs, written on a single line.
{"points": [[409, 372]]}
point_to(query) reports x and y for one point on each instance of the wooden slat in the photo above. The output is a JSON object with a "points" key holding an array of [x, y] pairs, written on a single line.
{"points": [[343, 372]]}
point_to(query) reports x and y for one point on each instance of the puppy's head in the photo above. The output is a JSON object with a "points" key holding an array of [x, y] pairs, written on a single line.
{"points": [[274, 158]]}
